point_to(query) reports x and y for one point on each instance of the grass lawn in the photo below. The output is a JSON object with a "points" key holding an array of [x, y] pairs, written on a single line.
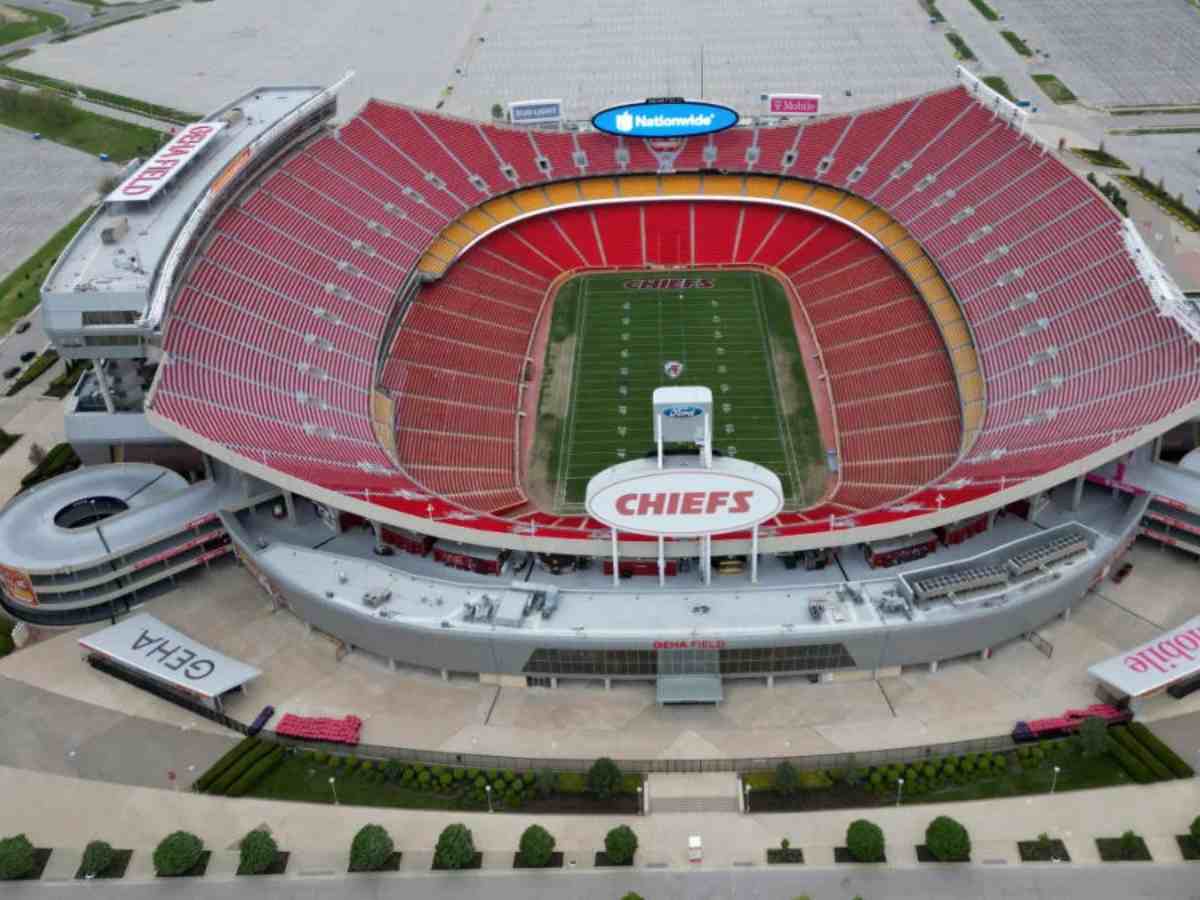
{"points": [[962, 50], [306, 781], [1077, 773], [986, 11], [96, 95], [35, 23], [19, 291], [1100, 158], [1055, 89], [60, 121], [1014, 41], [1000, 86], [735, 336]]}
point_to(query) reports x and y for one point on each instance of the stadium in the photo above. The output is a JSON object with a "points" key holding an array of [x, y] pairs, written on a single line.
{"points": [[392, 356]]}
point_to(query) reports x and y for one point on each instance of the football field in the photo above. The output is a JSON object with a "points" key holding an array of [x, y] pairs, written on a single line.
{"points": [[615, 337]]}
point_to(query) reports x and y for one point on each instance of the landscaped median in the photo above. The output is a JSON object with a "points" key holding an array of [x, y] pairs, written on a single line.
{"points": [[1172, 206], [1097, 757], [56, 118], [260, 768], [19, 291]]}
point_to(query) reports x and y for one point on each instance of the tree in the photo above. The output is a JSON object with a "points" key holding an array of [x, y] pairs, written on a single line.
{"points": [[455, 848], [1195, 829], [1131, 845], [497, 111], [16, 857], [787, 779], [537, 847], [865, 841], [258, 851], [547, 782], [632, 896], [947, 840], [620, 844], [1093, 736], [603, 778], [371, 848], [97, 857], [178, 852]]}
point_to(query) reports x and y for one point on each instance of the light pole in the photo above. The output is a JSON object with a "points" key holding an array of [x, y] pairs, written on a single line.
{"points": [[1054, 781], [488, 788], [747, 788], [899, 790], [641, 808], [333, 787]]}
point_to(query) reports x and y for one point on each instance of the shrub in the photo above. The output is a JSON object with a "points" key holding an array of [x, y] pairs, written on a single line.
{"points": [[222, 764], [603, 777], [366, 767], [620, 844], [632, 896], [1130, 763], [371, 848], [16, 857], [1169, 757], [876, 779], [537, 847], [1195, 829], [572, 783], [177, 853], [256, 773], [258, 851], [787, 779], [455, 848], [240, 767], [547, 781], [865, 841], [1145, 757], [1093, 736], [947, 840], [1131, 845], [97, 856], [392, 769]]}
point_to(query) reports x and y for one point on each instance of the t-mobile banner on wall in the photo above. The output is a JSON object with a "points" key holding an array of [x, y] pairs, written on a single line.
{"points": [[794, 104], [1154, 665]]}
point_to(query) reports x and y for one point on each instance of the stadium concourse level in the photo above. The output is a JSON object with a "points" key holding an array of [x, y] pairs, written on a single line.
{"points": [[272, 339]]}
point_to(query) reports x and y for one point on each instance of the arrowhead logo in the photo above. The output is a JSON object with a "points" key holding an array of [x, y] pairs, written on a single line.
{"points": [[624, 121]]}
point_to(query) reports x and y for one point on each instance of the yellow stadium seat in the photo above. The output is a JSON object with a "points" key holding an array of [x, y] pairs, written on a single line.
{"points": [[761, 186], [893, 234], [825, 198], [638, 185], [478, 221], [875, 221], [956, 334], [563, 192], [906, 251], [431, 265], [794, 191], [680, 184], [920, 269], [443, 249], [852, 207], [723, 185], [598, 188], [530, 199], [501, 209], [459, 235]]}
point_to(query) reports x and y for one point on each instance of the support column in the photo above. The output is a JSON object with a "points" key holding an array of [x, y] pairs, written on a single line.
{"points": [[289, 504], [98, 368], [662, 562], [754, 554], [933, 666], [616, 560], [708, 559], [985, 653], [1077, 493]]}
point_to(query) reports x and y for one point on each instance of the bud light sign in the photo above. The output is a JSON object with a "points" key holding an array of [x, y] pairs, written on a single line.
{"points": [[682, 412], [662, 120]]}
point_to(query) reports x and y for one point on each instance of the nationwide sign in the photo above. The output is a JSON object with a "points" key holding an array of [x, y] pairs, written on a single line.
{"points": [[684, 501], [532, 112], [665, 120], [158, 171], [144, 643], [1156, 664], [794, 104]]}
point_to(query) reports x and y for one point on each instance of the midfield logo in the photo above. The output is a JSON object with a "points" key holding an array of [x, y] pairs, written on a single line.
{"points": [[673, 369]]}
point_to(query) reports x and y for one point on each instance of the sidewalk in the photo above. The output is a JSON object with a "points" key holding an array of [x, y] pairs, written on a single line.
{"points": [[319, 836]]}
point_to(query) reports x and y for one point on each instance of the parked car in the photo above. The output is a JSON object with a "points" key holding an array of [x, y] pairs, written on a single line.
{"points": [[12, 371], [1122, 573], [28, 355], [22, 327]]}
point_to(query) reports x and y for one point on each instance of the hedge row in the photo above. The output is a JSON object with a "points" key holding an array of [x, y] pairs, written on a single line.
{"points": [[1126, 739], [1165, 754], [240, 768], [256, 773], [218, 768], [1129, 762]]}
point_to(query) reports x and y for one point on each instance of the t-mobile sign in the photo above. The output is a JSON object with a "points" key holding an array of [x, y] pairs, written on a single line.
{"points": [[794, 104]]}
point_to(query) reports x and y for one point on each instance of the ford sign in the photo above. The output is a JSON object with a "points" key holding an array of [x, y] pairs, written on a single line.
{"points": [[639, 498], [682, 412], [665, 120]]}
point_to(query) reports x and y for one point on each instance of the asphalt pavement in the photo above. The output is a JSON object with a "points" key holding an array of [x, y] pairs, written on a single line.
{"points": [[929, 882]]}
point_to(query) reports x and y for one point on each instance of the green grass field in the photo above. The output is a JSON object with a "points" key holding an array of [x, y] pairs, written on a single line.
{"points": [[609, 346]]}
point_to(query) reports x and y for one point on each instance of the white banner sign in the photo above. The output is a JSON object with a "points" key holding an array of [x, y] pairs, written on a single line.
{"points": [[1155, 664], [158, 171]]}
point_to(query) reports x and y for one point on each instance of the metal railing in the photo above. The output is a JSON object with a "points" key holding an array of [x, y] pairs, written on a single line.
{"points": [[841, 760]]}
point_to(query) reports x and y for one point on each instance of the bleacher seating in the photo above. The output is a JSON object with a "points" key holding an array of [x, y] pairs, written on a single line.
{"points": [[319, 728], [271, 341]]}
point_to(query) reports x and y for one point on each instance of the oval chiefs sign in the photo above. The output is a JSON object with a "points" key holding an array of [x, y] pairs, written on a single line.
{"points": [[684, 500]]}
